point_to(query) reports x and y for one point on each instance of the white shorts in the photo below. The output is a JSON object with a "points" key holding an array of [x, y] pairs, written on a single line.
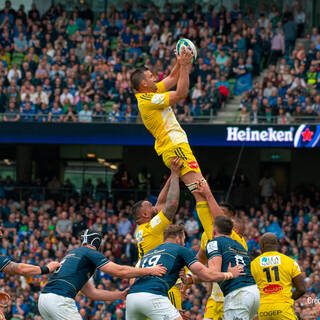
{"points": [[54, 307], [241, 304], [143, 305]]}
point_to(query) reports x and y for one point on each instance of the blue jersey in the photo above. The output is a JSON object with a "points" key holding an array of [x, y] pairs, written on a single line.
{"points": [[76, 269], [4, 261], [231, 251], [170, 255]]}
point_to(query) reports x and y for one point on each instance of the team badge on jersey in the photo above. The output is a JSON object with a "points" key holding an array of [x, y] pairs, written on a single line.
{"points": [[212, 246], [270, 261], [139, 236]]}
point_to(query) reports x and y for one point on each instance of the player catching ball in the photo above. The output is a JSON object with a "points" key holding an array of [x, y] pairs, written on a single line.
{"points": [[155, 101]]}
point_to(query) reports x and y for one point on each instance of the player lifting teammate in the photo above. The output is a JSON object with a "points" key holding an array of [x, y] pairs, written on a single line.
{"points": [[152, 221], [155, 101], [214, 307], [148, 295], [241, 295]]}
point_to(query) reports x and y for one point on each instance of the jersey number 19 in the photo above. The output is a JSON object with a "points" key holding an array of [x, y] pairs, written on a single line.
{"points": [[151, 262]]}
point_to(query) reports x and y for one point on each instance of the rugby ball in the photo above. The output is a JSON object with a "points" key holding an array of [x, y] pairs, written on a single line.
{"points": [[186, 43]]}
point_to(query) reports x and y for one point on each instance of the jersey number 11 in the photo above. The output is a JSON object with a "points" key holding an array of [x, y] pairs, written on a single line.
{"points": [[276, 273]]}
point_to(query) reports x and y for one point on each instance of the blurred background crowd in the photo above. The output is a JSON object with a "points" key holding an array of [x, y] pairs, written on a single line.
{"points": [[290, 91], [62, 67], [37, 229]]}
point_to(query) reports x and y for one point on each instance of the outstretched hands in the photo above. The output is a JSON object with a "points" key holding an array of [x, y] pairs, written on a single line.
{"points": [[185, 57], [176, 165]]}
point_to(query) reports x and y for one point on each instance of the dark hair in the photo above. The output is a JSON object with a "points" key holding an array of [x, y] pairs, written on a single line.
{"points": [[230, 208], [173, 231], [136, 210], [224, 225], [137, 76]]}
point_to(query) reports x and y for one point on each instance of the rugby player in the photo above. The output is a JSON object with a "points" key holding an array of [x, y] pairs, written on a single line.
{"points": [[214, 307], [274, 274], [24, 269], [154, 102], [56, 300], [241, 295], [152, 221], [28, 270], [148, 297]]}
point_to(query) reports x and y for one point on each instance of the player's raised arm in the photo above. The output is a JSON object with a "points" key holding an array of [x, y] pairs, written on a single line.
{"points": [[171, 80], [172, 201], [90, 291], [205, 191], [163, 195], [120, 271], [29, 269], [183, 81]]}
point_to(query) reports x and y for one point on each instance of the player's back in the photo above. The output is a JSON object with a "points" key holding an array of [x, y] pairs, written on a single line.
{"points": [[273, 273], [76, 269], [216, 293], [231, 252], [150, 235], [170, 255]]}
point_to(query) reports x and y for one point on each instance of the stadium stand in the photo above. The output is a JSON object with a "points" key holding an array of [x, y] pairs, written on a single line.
{"points": [[54, 66], [59, 67], [289, 92]]}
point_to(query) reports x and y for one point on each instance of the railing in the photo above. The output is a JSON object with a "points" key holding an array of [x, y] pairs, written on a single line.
{"points": [[65, 194], [212, 119]]}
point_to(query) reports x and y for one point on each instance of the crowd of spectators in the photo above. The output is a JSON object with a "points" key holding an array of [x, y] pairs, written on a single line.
{"points": [[67, 67], [36, 231], [291, 90]]}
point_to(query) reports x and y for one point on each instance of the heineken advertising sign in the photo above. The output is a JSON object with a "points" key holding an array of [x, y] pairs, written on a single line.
{"points": [[291, 136], [132, 134]]}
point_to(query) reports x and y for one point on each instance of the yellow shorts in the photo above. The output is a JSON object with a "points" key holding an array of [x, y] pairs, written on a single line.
{"points": [[276, 311], [184, 152], [174, 295], [214, 310]]}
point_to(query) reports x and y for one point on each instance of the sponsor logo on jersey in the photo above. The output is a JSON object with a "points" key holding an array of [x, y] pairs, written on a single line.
{"points": [[212, 246], [193, 165], [272, 288], [269, 313], [270, 261], [158, 98], [155, 221]]}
